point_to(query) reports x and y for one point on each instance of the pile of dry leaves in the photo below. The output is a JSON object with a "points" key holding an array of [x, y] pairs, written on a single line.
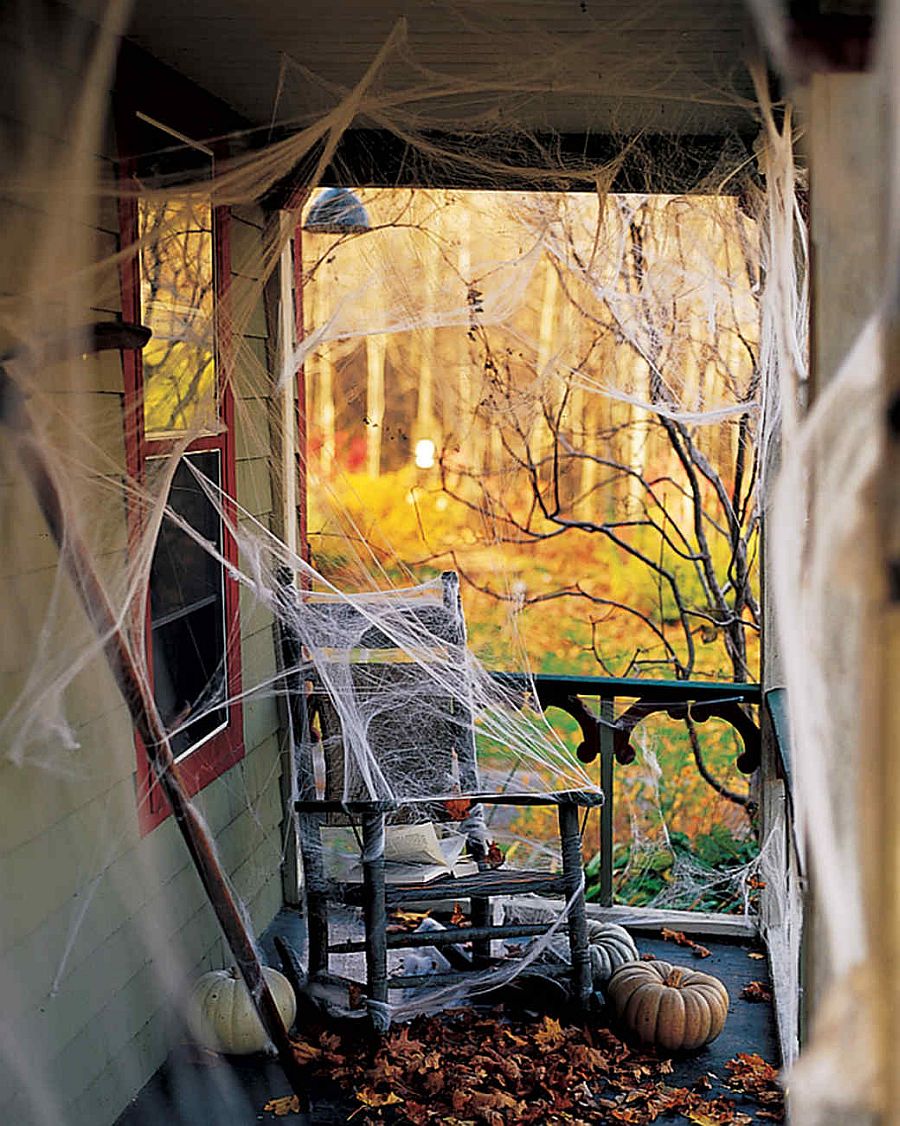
{"points": [[467, 1068]]}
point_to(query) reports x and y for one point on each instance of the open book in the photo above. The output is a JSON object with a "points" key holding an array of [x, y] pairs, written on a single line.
{"points": [[415, 854]]}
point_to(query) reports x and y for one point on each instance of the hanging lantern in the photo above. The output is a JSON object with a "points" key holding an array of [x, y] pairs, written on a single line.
{"points": [[337, 211]]}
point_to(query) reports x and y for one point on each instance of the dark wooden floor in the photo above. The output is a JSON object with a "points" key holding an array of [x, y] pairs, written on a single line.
{"points": [[194, 1090]]}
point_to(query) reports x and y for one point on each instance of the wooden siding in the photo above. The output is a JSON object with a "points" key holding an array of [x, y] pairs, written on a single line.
{"points": [[100, 926]]}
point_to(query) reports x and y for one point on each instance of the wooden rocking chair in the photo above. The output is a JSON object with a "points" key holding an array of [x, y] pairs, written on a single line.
{"points": [[420, 732]]}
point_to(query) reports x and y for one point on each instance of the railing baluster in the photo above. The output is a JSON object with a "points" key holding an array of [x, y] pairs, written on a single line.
{"points": [[607, 715]]}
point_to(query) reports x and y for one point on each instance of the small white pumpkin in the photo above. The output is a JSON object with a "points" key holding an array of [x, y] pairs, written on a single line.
{"points": [[222, 1016], [609, 947]]}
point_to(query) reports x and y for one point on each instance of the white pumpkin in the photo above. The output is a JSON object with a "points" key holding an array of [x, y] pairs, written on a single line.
{"points": [[609, 947], [222, 1016]]}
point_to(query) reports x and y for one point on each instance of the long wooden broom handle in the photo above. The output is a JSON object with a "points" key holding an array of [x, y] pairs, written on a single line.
{"points": [[15, 417]]}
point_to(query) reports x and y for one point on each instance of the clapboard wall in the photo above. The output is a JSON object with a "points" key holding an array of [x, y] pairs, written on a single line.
{"points": [[101, 925]]}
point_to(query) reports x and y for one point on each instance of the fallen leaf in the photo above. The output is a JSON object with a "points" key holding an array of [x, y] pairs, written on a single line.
{"points": [[755, 954], [757, 992], [475, 1068], [681, 939], [290, 1104], [368, 1097], [412, 918], [703, 1118], [458, 809], [550, 1033], [304, 1052], [754, 1076]]}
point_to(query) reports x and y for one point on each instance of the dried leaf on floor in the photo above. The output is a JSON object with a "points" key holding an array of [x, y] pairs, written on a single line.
{"points": [[290, 1104], [368, 1097], [756, 991], [681, 939], [549, 1034], [304, 1052], [752, 1075], [471, 1067]]}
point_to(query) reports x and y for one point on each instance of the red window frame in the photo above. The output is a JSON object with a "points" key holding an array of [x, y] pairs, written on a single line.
{"points": [[226, 747]]}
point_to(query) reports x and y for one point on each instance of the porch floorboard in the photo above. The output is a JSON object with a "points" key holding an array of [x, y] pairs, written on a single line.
{"points": [[187, 1091]]}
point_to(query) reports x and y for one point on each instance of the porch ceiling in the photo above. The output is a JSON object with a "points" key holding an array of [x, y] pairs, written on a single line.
{"points": [[663, 66]]}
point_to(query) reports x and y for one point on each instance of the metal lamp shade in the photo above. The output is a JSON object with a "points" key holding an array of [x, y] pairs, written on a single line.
{"points": [[337, 211]]}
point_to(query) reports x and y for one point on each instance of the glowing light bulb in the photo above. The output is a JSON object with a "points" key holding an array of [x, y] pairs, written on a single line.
{"points": [[425, 453]]}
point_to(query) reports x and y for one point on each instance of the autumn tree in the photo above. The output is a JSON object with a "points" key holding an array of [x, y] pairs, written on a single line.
{"points": [[670, 494]]}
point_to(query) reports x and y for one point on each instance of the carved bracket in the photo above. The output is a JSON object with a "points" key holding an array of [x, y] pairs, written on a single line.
{"points": [[732, 712], [589, 748], [699, 712]]}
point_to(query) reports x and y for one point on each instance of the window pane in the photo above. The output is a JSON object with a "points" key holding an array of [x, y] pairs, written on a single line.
{"points": [[177, 302], [187, 611]]}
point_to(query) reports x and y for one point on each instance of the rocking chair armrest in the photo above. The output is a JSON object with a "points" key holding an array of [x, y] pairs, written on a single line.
{"points": [[361, 807], [588, 799]]}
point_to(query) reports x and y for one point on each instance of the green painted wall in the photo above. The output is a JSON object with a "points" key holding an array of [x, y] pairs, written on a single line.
{"points": [[100, 927]]}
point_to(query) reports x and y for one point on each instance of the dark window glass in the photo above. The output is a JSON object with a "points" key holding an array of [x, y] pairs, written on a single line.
{"points": [[187, 611]]}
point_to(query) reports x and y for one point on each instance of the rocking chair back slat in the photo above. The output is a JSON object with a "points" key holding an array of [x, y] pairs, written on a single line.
{"points": [[384, 719]]}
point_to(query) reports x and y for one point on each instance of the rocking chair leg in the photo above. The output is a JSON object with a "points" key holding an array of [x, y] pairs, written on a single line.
{"points": [[573, 872], [375, 916], [481, 917], [316, 898]]}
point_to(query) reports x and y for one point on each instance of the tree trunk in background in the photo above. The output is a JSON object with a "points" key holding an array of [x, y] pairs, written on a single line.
{"points": [[376, 350], [469, 425], [547, 377], [636, 441], [322, 380], [567, 350], [325, 411], [425, 422]]}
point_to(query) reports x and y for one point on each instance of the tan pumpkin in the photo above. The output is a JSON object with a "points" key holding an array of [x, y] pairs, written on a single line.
{"points": [[673, 1008], [222, 1016]]}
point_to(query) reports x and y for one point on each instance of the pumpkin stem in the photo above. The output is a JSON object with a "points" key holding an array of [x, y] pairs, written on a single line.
{"points": [[674, 977]]}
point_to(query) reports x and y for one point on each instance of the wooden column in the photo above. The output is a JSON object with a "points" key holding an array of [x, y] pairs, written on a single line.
{"points": [[888, 782], [847, 168]]}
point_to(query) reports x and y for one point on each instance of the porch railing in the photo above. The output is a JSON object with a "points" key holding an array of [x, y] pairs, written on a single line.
{"points": [[606, 735]]}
